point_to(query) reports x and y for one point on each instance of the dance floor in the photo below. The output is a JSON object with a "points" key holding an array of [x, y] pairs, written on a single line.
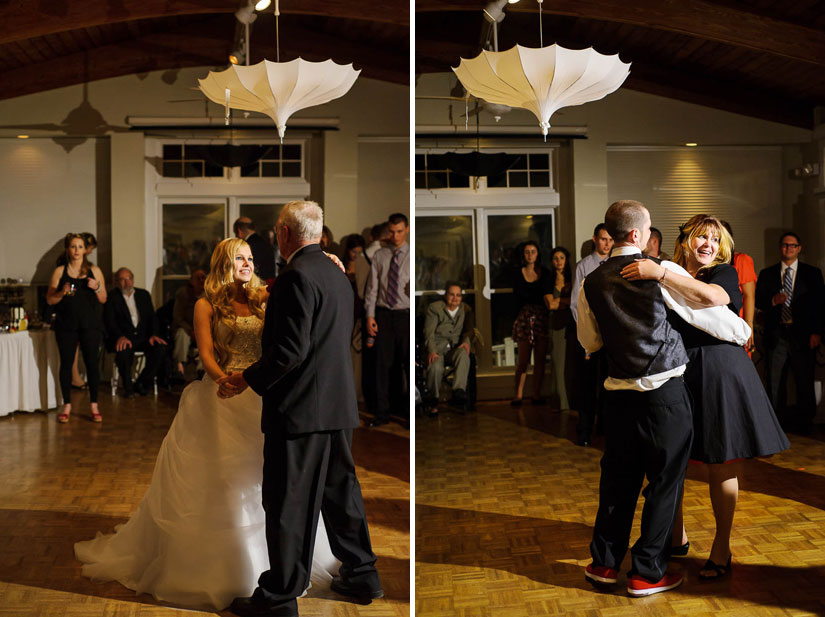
{"points": [[505, 503], [63, 483]]}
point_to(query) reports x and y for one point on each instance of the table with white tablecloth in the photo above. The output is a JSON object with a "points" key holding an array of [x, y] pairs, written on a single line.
{"points": [[29, 365]]}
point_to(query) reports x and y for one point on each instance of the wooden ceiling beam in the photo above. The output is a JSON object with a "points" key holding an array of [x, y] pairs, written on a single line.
{"points": [[208, 46], [27, 19], [699, 18]]}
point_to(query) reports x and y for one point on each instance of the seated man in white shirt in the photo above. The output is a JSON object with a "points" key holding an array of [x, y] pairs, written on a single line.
{"points": [[131, 325]]}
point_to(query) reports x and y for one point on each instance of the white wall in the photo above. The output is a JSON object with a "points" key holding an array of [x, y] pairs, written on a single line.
{"points": [[47, 192], [60, 193]]}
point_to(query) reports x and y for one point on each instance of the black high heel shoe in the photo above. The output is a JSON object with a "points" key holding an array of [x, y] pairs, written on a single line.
{"points": [[717, 571], [680, 551]]}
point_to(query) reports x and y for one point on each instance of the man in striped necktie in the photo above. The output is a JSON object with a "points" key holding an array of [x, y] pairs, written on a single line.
{"points": [[387, 300], [790, 294]]}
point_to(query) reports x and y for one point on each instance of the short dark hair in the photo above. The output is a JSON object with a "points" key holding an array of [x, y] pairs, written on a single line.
{"points": [[623, 216], [791, 233], [89, 239], [246, 226], [657, 233], [398, 218], [449, 284], [379, 230], [598, 228]]}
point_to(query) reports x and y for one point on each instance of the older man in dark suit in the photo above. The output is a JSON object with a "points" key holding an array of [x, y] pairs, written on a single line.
{"points": [[790, 293], [131, 325], [309, 410]]}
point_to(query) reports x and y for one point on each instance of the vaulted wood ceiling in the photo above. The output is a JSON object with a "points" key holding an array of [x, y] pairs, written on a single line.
{"points": [[46, 44], [762, 58]]}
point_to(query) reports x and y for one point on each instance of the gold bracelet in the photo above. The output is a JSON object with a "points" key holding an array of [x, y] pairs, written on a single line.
{"points": [[662, 280]]}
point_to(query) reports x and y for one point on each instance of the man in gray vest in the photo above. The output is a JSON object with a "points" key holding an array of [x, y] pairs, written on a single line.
{"points": [[448, 330], [647, 413]]}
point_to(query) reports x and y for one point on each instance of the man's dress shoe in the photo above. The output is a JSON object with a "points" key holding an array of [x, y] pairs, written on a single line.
{"points": [[361, 591], [257, 606]]}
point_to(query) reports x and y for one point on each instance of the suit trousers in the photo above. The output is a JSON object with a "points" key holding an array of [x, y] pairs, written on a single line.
{"points": [[125, 358], [456, 357], [392, 349], [647, 434], [590, 374], [304, 476], [790, 354]]}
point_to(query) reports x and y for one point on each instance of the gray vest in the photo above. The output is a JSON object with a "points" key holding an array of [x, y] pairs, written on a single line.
{"points": [[633, 320]]}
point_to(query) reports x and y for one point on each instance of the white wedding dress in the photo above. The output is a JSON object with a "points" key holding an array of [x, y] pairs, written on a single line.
{"points": [[198, 537]]}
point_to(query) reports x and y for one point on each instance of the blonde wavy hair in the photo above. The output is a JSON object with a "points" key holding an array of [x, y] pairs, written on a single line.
{"points": [[219, 290], [696, 226]]}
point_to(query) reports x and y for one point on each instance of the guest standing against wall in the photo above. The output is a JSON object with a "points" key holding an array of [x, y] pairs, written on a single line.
{"points": [[76, 289]]}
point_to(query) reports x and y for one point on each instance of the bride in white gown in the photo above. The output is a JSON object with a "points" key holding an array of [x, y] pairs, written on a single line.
{"points": [[198, 537]]}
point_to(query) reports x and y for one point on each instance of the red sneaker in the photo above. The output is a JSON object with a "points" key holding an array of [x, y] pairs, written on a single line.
{"points": [[600, 575], [638, 586]]}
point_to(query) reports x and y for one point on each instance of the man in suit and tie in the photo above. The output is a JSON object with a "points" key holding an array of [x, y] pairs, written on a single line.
{"points": [[790, 293], [309, 410], [131, 325], [647, 416]]}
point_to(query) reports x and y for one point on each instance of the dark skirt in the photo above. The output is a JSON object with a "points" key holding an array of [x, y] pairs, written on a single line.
{"points": [[732, 415], [532, 323]]}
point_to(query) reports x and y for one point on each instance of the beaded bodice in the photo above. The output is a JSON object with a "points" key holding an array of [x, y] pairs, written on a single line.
{"points": [[243, 341]]}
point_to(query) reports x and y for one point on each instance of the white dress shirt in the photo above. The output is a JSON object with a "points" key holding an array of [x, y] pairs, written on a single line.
{"points": [[583, 268], [718, 321], [132, 306]]}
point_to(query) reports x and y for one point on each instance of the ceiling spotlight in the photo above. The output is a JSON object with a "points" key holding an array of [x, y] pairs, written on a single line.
{"points": [[512, 1], [494, 11], [237, 56], [263, 4], [22, 137], [691, 144]]}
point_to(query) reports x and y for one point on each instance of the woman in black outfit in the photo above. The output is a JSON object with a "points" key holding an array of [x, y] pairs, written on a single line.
{"points": [[560, 319], [76, 289], [732, 416], [530, 330]]}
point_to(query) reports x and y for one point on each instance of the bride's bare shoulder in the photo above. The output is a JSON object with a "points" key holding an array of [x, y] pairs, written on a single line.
{"points": [[204, 307]]}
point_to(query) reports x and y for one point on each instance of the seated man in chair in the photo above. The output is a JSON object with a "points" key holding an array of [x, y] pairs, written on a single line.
{"points": [[131, 325], [448, 330]]}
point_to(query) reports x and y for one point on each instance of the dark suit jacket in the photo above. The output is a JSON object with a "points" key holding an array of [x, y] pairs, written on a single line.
{"points": [[263, 255], [305, 371], [806, 304], [118, 322]]}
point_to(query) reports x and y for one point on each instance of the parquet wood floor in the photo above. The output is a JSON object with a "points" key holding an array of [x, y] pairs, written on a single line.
{"points": [[62, 483], [505, 503]]}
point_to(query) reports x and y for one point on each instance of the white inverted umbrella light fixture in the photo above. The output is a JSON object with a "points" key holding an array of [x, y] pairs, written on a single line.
{"points": [[542, 80], [278, 89]]}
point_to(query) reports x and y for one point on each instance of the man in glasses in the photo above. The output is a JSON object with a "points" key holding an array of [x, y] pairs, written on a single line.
{"points": [[791, 295]]}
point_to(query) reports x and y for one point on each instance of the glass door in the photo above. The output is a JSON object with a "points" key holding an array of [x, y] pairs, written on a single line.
{"points": [[191, 231], [506, 232]]}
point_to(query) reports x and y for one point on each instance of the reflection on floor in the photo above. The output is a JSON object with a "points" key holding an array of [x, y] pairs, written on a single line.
{"points": [[63, 483], [505, 503]]}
